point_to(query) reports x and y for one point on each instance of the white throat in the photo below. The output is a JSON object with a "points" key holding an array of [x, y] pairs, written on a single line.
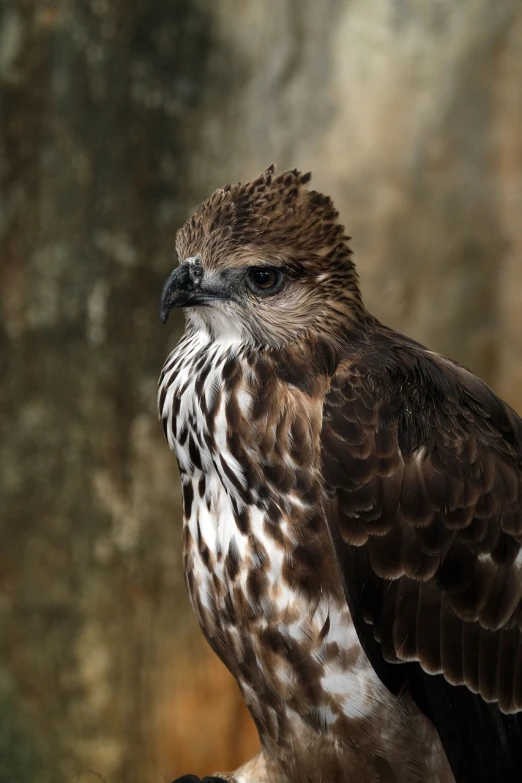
{"points": [[217, 325]]}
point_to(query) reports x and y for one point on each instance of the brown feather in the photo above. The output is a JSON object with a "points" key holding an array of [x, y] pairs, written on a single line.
{"points": [[457, 493]]}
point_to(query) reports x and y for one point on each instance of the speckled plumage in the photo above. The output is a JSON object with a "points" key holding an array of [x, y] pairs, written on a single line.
{"points": [[325, 459], [261, 572]]}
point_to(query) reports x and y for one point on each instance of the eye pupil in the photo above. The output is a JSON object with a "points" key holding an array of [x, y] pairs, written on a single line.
{"points": [[264, 278]]}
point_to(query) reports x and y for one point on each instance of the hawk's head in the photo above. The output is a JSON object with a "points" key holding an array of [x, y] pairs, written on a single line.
{"points": [[265, 262]]}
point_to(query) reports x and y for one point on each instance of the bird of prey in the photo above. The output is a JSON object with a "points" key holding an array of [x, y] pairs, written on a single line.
{"points": [[352, 507]]}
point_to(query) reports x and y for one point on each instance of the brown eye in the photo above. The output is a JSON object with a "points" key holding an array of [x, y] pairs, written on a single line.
{"points": [[264, 279]]}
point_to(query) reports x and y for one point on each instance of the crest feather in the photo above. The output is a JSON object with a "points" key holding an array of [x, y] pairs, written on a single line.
{"points": [[276, 211]]}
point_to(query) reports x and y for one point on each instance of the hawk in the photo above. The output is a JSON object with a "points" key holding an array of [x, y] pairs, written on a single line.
{"points": [[352, 507]]}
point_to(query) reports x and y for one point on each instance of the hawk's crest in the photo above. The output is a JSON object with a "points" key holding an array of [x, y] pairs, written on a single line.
{"points": [[277, 213]]}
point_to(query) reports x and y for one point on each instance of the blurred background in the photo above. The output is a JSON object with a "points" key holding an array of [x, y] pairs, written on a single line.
{"points": [[116, 118]]}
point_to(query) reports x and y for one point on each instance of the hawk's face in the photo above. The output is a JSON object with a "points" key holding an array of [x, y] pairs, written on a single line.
{"points": [[264, 301], [264, 263]]}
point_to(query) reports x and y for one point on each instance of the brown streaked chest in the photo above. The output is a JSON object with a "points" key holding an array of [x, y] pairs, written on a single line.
{"points": [[255, 544], [259, 564]]}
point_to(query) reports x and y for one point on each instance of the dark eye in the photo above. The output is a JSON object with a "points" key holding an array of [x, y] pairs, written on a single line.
{"points": [[264, 279]]}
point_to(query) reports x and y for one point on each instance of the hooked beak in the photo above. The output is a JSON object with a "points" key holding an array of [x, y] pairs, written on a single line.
{"points": [[179, 290], [185, 288]]}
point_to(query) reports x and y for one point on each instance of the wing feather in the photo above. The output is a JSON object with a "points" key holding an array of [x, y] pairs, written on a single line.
{"points": [[425, 465]]}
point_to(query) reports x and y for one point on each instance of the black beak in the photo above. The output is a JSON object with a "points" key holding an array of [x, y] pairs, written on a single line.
{"points": [[189, 287], [182, 289]]}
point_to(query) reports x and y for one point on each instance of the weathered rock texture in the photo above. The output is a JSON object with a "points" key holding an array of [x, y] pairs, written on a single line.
{"points": [[115, 119]]}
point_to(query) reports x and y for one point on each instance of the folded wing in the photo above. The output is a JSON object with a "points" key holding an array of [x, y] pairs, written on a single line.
{"points": [[423, 470]]}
